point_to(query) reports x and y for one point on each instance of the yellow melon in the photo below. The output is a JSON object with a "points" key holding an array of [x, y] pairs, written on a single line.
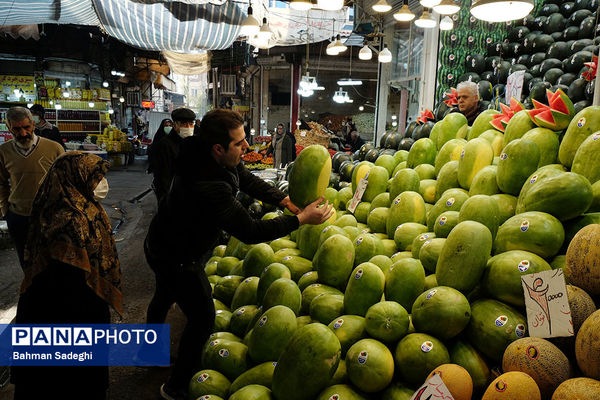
{"points": [[512, 386], [457, 380], [581, 304], [578, 389], [587, 346], [539, 359], [582, 263]]}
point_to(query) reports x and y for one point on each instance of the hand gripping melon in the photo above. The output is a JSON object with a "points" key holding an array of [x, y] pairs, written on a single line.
{"points": [[334, 261], [463, 354], [406, 207], [539, 359], [493, 326], [449, 152], [417, 355], [307, 364], [370, 365], [476, 154], [262, 374], [518, 160], [512, 386], [533, 231], [405, 180], [253, 392], [209, 382], [457, 380], [587, 346], [364, 289], [464, 256], [341, 392], [586, 122], [577, 388], [442, 312], [310, 176], [405, 281], [386, 321]]}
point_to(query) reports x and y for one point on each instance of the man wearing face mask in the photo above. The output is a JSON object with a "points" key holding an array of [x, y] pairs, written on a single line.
{"points": [[167, 149], [24, 161], [44, 128]]}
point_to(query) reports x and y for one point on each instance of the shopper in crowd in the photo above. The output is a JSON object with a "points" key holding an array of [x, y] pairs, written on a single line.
{"points": [[166, 125], [72, 272], [166, 150], [468, 101], [200, 204], [355, 141], [44, 128], [283, 147], [24, 161]]}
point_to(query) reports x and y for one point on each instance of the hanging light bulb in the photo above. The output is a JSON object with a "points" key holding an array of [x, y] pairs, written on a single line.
{"points": [[446, 7], [425, 21], [339, 45], [105, 84], [446, 24], [111, 111], [250, 25], [385, 55], [501, 10], [330, 5], [365, 53], [404, 14], [122, 99], [361, 108], [429, 3], [91, 104], [265, 32], [301, 5], [331, 50], [381, 6]]}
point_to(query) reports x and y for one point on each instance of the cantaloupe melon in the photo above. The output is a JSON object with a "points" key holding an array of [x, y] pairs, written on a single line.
{"points": [[512, 386], [541, 360], [582, 264], [457, 380], [578, 389], [581, 304], [587, 346]]}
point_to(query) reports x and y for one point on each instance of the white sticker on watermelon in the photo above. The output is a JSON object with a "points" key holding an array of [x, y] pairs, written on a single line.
{"points": [[224, 353], [431, 294], [524, 226], [358, 274], [427, 346], [335, 397], [523, 265], [581, 122], [203, 377], [359, 240], [338, 324], [501, 321], [262, 321], [240, 311], [596, 136], [423, 237], [362, 357], [443, 221], [214, 343], [533, 179], [520, 331], [450, 202], [288, 258], [327, 228], [503, 156]]}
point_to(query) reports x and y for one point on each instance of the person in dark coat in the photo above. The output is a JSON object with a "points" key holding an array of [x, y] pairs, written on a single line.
{"points": [[356, 142], [283, 147], [200, 205], [44, 128], [165, 151], [166, 126]]}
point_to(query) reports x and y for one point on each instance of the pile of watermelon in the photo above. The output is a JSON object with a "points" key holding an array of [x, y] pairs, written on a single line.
{"points": [[424, 276]]}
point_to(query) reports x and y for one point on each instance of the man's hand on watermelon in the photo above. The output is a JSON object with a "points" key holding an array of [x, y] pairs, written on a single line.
{"points": [[287, 203]]}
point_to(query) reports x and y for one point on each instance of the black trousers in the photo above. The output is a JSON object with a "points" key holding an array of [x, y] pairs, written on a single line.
{"points": [[18, 226], [188, 286]]}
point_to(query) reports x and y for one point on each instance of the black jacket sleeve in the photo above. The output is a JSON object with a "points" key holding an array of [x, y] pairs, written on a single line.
{"points": [[257, 188], [163, 167], [229, 215]]}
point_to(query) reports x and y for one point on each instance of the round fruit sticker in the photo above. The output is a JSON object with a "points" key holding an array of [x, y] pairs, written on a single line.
{"points": [[327, 228], [451, 57], [316, 285], [262, 321], [338, 324], [362, 357], [524, 226], [248, 280], [520, 330], [503, 156], [359, 240], [581, 122], [533, 352], [214, 343], [335, 397], [399, 226], [203, 377], [224, 353], [287, 258], [596, 136], [431, 293], [453, 37], [358, 274], [207, 397], [366, 230], [423, 237], [426, 347], [500, 386], [443, 220], [488, 40], [533, 179], [501, 320], [274, 363], [396, 202], [462, 154], [524, 265], [240, 311], [450, 201]]}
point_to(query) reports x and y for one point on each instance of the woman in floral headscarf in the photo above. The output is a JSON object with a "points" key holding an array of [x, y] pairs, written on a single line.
{"points": [[72, 271]]}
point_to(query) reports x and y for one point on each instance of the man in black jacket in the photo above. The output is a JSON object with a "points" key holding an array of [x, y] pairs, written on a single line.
{"points": [[44, 128], [165, 151], [201, 203]]}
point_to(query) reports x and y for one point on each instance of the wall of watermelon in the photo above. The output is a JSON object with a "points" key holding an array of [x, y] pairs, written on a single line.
{"points": [[552, 45]]}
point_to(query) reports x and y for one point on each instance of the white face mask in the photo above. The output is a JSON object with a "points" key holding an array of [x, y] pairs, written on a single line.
{"points": [[168, 129], [186, 132], [101, 190], [36, 119]]}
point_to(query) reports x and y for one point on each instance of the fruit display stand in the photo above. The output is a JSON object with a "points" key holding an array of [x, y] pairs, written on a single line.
{"points": [[115, 143]]}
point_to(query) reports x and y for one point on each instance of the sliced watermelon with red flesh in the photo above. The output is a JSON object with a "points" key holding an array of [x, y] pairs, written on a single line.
{"points": [[562, 103], [516, 105], [546, 117], [499, 121], [555, 116]]}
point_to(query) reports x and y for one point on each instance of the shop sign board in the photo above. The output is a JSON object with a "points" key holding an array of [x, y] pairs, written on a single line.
{"points": [[148, 104], [20, 83]]}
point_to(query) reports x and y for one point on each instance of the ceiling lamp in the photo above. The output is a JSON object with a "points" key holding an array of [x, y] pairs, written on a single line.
{"points": [[341, 47], [365, 53], [265, 32], [385, 55], [381, 6], [330, 5], [426, 21], [404, 14], [429, 3], [349, 82], [309, 82], [91, 104], [341, 97], [501, 10], [446, 24], [250, 25], [331, 50], [105, 84], [301, 5], [447, 7]]}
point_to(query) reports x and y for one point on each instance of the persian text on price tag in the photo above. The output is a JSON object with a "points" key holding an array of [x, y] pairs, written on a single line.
{"points": [[360, 190], [434, 388]]}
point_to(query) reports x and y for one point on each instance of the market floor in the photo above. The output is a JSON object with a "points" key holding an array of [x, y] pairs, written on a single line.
{"points": [[131, 221]]}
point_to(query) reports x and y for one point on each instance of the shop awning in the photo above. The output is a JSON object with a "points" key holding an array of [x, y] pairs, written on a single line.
{"points": [[77, 12]]}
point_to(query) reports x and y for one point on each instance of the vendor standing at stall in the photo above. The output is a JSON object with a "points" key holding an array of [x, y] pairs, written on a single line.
{"points": [[283, 147], [200, 204], [468, 101], [44, 128]]}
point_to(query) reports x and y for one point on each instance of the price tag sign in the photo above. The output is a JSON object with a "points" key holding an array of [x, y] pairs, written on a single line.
{"points": [[514, 86], [360, 190], [302, 133], [547, 304], [434, 388], [256, 150]]}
